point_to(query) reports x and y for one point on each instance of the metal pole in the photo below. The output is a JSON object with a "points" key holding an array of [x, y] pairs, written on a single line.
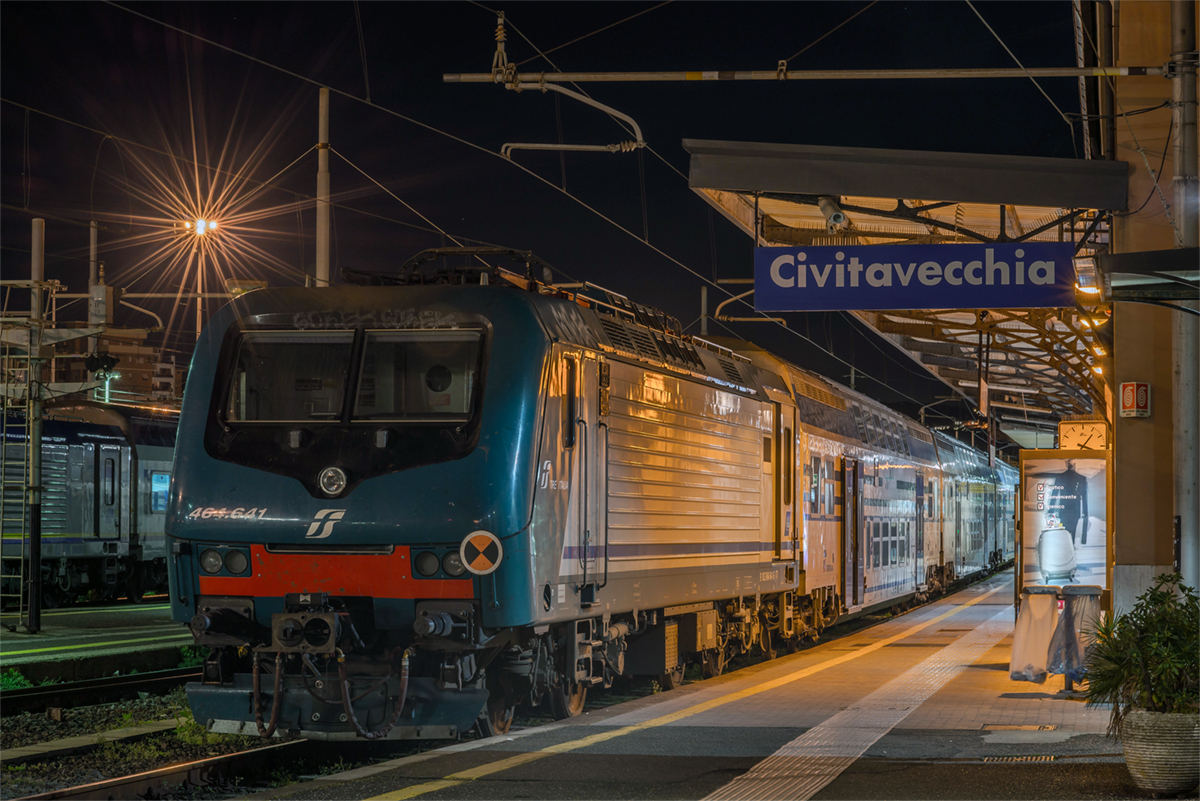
{"points": [[93, 255], [703, 311], [199, 298], [37, 273], [322, 272], [1186, 386], [784, 74]]}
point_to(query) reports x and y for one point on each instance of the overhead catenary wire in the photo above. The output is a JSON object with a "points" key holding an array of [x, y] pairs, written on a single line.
{"points": [[218, 170], [480, 148], [543, 54], [1022, 66], [362, 50], [828, 33]]}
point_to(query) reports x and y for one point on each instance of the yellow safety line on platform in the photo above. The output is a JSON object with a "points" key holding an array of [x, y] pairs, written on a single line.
{"points": [[562, 748], [109, 609], [97, 644]]}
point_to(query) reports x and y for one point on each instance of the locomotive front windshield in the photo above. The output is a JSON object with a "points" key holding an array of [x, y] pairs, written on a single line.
{"points": [[297, 376], [286, 376], [417, 375]]}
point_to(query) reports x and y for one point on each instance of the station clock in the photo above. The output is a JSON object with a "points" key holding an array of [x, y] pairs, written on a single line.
{"points": [[1082, 435]]}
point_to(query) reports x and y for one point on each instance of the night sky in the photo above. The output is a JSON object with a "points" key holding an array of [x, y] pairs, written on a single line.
{"points": [[76, 72]]}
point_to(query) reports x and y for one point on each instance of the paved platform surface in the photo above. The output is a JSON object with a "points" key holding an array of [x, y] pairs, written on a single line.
{"points": [[918, 707], [89, 642]]}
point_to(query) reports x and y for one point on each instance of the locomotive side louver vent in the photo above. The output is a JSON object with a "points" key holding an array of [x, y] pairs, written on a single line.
{"points": [[617, 334], [731, 371], [644, 343]]}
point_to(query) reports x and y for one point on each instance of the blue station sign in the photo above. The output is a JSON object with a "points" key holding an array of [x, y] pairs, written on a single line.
{"points": [[973, 276]]}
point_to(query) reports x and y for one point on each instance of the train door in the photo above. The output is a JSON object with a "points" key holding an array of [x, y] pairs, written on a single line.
{"points": [[853, 533], [112, 477], [592, 477], [785, 482], [918, 543]]}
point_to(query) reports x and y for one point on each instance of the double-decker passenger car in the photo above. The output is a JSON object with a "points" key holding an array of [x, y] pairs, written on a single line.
{"points": [[104, 504], [404, 508]]}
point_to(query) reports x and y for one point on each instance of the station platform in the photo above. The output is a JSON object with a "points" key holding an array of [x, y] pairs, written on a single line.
{"points": [[919, 707], [78, 643]]}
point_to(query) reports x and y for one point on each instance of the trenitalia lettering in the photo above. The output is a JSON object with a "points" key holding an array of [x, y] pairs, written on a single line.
{"points": [[1035, 275]]}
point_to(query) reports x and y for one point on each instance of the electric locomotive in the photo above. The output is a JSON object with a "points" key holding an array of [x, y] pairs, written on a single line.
{"points": [[400, 509]]}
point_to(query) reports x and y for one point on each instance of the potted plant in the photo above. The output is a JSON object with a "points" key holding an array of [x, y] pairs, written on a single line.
{"points": [[1146, 664]]}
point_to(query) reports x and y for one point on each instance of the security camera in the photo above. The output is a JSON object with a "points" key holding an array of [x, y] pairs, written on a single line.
{"points": [[835, 218]]}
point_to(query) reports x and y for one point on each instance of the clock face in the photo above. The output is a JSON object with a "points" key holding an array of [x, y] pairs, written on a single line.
{"points": [[1091, 435]]}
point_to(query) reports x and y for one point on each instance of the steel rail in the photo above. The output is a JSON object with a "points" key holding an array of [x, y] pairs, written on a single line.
{"points": [[199, 773], [94, 691]]}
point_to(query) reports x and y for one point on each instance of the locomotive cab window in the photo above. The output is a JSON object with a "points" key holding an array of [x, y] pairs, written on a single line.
{"points": [[290, 376], [570, 401], [418, 376]]}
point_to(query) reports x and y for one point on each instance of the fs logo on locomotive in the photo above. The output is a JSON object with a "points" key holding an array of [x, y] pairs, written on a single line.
{"points": [[330, 517]]}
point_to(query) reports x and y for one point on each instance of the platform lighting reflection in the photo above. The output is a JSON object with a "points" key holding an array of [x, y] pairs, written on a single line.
{"points": [[1088, 290]]}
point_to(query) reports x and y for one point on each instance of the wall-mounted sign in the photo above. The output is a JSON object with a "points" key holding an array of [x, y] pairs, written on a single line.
{"points": [[1064, 517], [1135, 399], [975, 276]]}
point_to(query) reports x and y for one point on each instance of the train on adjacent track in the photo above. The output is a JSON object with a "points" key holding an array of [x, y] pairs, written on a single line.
{"points": [[106, 472], [401, 509]]}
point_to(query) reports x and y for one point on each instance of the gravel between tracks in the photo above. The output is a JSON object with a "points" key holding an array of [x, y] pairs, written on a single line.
{"points": [[28, 728], [110, 759]]}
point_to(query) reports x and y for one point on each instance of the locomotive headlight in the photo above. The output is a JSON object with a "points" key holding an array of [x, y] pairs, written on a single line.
{"points": [[236, 562], [332, 481], [453, 565], [211, 561], [427, 563]]}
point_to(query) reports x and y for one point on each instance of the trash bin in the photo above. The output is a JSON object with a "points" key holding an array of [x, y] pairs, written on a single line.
{"points": [[1072, 635], [1031, 637]]}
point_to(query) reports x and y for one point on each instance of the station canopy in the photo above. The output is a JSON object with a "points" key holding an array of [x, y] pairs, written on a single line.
{"points": [[1041, 363]]}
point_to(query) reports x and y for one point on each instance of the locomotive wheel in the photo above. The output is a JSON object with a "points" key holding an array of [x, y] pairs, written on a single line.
{"points": [[566, 700], [499, 715], [672, 678], [135, 587], [712, 663]]}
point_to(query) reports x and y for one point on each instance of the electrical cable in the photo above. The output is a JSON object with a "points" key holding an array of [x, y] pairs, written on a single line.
{"points": [[810, 46], [1022, 66], [585, 36], [482, 149], [220, 171], [362, 50], [1112, 87], [1157, 177]]}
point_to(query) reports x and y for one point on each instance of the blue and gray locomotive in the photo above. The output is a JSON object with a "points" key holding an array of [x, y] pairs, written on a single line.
{"points": [[402, 509]]}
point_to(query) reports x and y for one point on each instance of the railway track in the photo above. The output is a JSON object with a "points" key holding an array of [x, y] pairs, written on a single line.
{"points": [[95, 691], [201, 773]]}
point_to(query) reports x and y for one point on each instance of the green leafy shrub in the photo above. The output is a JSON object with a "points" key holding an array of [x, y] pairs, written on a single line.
{"points": [[1148, 658], [12, 680], [191, 657]]}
